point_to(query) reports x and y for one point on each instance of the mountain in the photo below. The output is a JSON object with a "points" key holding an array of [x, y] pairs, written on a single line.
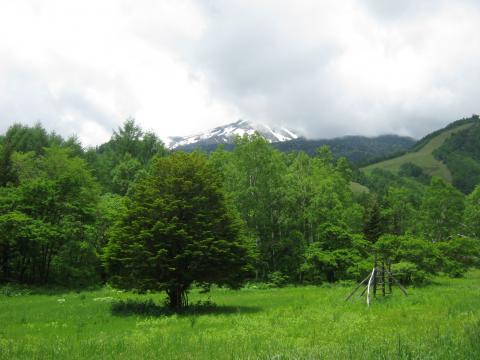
{"points": [[357, 149], [226, 134], [452, 153]]}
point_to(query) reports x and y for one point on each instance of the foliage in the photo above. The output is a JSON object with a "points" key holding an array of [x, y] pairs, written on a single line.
{"points": [[442, 210], [47, 221], [414, 171], [374, 224], [296, 211], [424, 154], [130, 149], [460, 152], [359, 150], [408, 273], [399, 211], [178, 229], [414, 257], [472, 214], [459, 254], [334, 256]]}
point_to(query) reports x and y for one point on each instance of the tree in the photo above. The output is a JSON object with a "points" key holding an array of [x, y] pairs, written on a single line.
{"points": [[411, 249], [399, 210], [48, 219], [472, 213], [7, 175], [124, 173], [374, 226], [459, 254], [116, 163], [334, 255], [178, 229], [442, 210], [256, 182]]}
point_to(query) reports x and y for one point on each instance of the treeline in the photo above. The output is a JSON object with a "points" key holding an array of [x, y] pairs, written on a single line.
{"points": [[62, 206]]}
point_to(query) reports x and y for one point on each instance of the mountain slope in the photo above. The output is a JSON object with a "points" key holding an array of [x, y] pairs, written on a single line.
{"points": [[461, 154], [425, 153], [226, 134], [357, 149]]}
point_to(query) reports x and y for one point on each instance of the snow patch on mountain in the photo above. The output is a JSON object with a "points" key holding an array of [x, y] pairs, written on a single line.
{"points": [[226, 134]]}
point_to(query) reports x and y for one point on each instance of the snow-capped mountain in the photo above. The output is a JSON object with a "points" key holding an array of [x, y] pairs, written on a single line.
{"points": [[225, 134]]}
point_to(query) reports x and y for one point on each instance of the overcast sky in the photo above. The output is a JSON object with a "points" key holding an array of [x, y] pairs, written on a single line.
{"points": [[327, 68]]}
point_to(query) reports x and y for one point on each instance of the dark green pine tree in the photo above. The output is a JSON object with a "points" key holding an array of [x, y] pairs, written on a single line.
{"points": [[178, 229], [7, 175], [373, 226]]}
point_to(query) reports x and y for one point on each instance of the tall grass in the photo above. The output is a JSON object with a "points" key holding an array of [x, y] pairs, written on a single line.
{"points": [[440, 321]]}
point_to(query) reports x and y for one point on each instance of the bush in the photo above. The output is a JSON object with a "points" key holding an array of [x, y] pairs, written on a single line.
{"points": [[277, 279], [14, 290], [408, 273], [459, 254]]}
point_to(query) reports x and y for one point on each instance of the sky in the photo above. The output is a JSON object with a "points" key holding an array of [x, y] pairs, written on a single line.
{"points": [[325, 68]]}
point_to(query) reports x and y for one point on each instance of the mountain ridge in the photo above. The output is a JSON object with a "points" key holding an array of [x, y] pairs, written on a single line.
{"points": [[450, 153], [225, 134], [358, 149]]}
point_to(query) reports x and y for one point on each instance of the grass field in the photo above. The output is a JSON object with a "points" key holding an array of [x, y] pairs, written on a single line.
{"points": [[422, 157], [440, 321]]}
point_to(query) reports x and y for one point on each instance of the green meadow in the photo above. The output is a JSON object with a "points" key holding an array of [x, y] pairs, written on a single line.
{"points": [[423, 157], [439, 321]]}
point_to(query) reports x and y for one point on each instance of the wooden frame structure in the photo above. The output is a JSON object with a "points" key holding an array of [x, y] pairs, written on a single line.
{"points": [[380, 275]]}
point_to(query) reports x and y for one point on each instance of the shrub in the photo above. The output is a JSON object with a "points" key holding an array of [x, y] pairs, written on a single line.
{"points": [[277, 279], [408, 273]]}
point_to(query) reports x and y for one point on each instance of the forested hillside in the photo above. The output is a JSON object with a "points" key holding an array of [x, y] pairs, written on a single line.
{"points": [[450, 153], [461, 154], [122, 211], [357, 149]]}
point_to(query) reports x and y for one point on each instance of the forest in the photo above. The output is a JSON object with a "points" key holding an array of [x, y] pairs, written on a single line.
{"points": [[74, 217]]}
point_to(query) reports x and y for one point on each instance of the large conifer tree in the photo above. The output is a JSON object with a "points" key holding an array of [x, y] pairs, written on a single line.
{"points": [[178, 229]]}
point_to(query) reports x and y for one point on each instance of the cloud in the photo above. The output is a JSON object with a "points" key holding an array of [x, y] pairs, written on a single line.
{"points": [[85, 66], [334, 68], [326, 67]]}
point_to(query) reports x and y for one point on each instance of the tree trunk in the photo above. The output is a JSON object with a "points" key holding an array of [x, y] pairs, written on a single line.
{"points": [[177, 298], [330, 276], [5, 265]]}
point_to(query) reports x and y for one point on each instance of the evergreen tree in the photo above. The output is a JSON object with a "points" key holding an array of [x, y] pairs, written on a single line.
{"points": [[373, 227], [178, 229], [7, 174]]}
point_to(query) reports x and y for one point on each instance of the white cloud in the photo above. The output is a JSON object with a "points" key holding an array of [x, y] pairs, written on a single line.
{"points": [[83, 65], [328, 67], [354, 66]]}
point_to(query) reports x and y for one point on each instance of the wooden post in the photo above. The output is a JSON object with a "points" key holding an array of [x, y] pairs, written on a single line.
{"points": [[389, 276], [372, 276], [383, 277], [375, 277], [364, 290], [353, 292], [399, 285]]}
